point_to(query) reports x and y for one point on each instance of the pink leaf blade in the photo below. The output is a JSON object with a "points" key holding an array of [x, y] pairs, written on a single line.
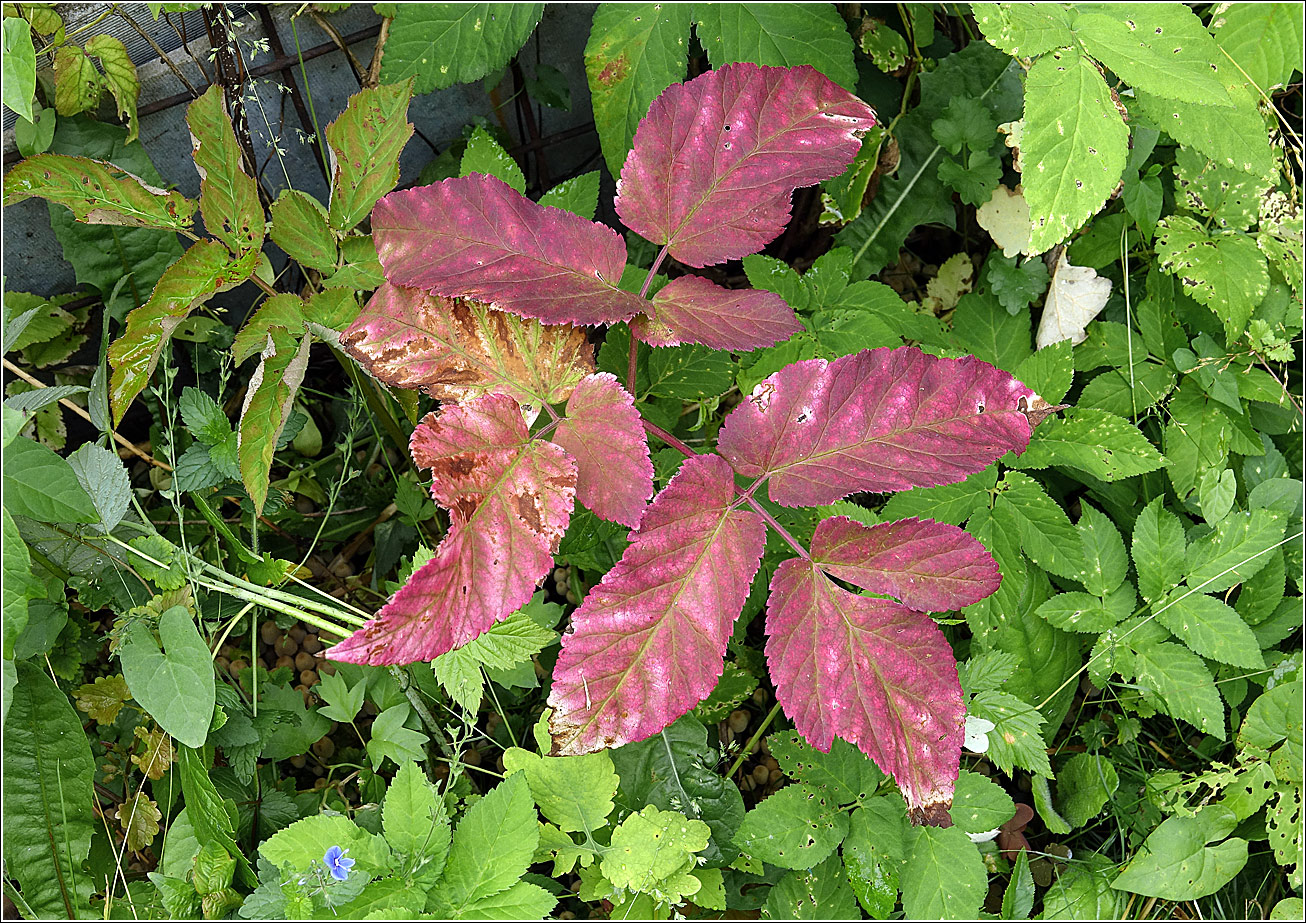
{"points": [[604, 434], [879, 420], [649, 640], [715, 162], [926, 565], [509, 502], [477, 237], [691, 309], [874, 673]]}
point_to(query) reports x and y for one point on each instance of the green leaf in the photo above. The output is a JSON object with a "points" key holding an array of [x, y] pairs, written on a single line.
{"points": [[368, 137], [103, 477], [653, 852], [575, 792], [1123, 394], [689, 373], [78, 86], [120, 75], [1226, 273], [97, 193], [297, 847], [845, 773], [634, 52], [1103, 445], [818, 893], [983, 327], [522, 901], [391, 739], [1075, 146], [228, 197], [18, 585], [343, 703], [1045, 530], [1233, 136], [174, 685], [40, 485], [1083, 892], [873, 852], [1263, 39], [1084, 612], [440, 44], [778, 35], [1235, 550], [203, 417], [492, 847], [48, 798], [1289, 908], [416, 824], [980, 805], [269, 402], [1177, 864], [943, 877], [795, 828], [485, 155], [950, 503], [299, 227], [503, 646], [1105, 561], [1210, 628], [295, 731], [1016, 739], [1175, 681], [1162, 48], [19, 78], [1018, 898], [1084, 785], [886, 47], [578, 195], [204, 269], [966, 122], [1016, 287], [1024, 30]]}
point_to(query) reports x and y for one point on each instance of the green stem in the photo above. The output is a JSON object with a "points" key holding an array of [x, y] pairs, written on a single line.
{"points": [[757, 735]]}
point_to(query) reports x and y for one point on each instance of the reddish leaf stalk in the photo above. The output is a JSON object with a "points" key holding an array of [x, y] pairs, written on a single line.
{"points": [[634, 344]]}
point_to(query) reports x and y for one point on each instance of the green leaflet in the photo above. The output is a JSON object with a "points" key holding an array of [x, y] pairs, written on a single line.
{"points": [[578, 195], [635, 51], [1175, 681], [1105, 561], [40, 485], [575, 792], [873, 852], [1075, 146], [1210, 628], [1016, 739], [503, 646], [943, 877], [269, 402], [19, 77], [1264, 40], [819, 893], [778, 35], [1024, 30], [390, 738], [299, 227], [174, 685], [440, 44], [1236, 549], [979, 804], [485, 155], [845, 773], [795, 828], [228, 197], [97, 193], [1018, 898], [368, 137], [1084, 785], [416, 824], [306, 841], [1233, 136], [1104, 445], [120, 76], [48, 798], [1176, 863], [1226, 273]]}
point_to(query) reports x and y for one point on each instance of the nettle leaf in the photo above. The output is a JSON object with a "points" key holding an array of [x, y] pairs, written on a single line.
{"points": [[873, 672], [1075, 146], [456, 350], [648, 642], [97, 192], [879, 420], [691, 309], [228, 197], [713, 165], [269, 402], [365, 144], [604, 435], [509, 501], [477, 237], [926, 565]]}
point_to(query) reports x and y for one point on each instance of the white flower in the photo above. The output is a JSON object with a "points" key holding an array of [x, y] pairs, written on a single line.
{"points": [[983, 837], [977, 736]]}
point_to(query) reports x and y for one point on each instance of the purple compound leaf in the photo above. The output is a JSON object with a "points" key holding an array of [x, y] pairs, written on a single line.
{"points": [[509, 502], [648, 641], [456, 350], [879, 420], [477, 237], [872, 672], [716, 160], [924, 564], [603, 433], [691, 309]]}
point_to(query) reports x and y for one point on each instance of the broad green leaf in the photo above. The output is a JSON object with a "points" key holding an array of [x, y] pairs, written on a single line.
{"points": [[120, 75], [48, 798], [492, 847], [502, 646], [1075, 611], [77, 84], [40, 485], [578, 195], [103, 477], [416, 823], [950, 503], [19, 58], [1177, 864], [18, 585], [382, 899], [654, 852], [1175, 681], [175, 684], [1016, 739], [1210, 628], [368, 137], [979, 804], [1105, 561], [1083, 892], [305, 842], [845, 773], [689, 373], [206, 268], [1075, 145], [943, 877], [795, 828], [485, 155], [299, 728], [1161, 48], [1263, 39], [1024, 29], [440, 44], [1275, 716], [299, 227], [1050, 371], [778, 35], [1045, 530], [1084, 785], [983, 327], [391, 739], [522, 901], [269, 402], [1104, 445], [97, 193], [873, 852], [1226, 273], [1018, 898], [575, 792], [228, 197], [635, 51], [818, 893], [1236, 549], [1123, 394], [1233, 136]]}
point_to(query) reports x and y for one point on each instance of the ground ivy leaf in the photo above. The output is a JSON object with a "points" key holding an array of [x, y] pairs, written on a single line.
{"points": [[653, 852]]}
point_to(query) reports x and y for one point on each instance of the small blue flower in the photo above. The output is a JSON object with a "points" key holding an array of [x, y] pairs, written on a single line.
{"points": [[337, 863]]}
